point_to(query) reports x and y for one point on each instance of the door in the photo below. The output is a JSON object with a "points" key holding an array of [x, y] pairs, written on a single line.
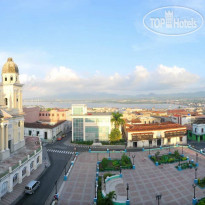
{"points": [[159, 142], [45, 135], [134, 144]]}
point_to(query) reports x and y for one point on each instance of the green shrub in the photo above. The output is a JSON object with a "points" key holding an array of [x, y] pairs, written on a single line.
{"points": [[176, 154], [183, 158], [104, 163], [171, 160], [115, 163]]}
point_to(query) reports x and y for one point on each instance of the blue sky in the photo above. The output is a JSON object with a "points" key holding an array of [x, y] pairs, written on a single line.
{"points": [[94, 41]]}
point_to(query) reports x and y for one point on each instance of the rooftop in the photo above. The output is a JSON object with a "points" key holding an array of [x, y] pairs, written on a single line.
{"points": [[42, 125], [31, 144]]}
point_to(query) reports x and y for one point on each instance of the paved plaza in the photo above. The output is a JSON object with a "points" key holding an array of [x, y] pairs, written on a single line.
{"points": [[144, 182]]}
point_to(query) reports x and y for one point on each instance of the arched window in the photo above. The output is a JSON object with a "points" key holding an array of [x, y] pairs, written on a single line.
{"points": [[15, 178], [5, 78], [19, 123], [38, 159], [31, 165], [6, 101], [11, 78], [4, 188], [23, 171]]}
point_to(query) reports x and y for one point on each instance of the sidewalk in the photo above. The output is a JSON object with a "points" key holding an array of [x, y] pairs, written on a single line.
{"points": [[18, 190]]}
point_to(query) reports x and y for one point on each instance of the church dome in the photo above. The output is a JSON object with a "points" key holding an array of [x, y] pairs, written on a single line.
{"points": [[10, 67]]}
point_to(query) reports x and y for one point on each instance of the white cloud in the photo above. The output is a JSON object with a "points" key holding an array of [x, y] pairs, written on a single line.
{"points": [[62, 81]]}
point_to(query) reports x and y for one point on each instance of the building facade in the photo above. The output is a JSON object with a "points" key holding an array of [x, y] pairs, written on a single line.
{"points": [[160, 134], [198, 130], [12, 141], [90, 126], [47, 132]]}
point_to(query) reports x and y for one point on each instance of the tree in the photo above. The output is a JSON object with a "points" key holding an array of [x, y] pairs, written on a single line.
{"points": [[117, 120], [109, 197], [115, 135]]}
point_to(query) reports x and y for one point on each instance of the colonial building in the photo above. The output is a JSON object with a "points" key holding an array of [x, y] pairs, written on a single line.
{"points": [[17, 158], [89, 126], [158, 134], [198, 130], [47, 132]]}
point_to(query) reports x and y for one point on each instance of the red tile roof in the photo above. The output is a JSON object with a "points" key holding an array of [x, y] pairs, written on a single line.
{"points": [[153, 127], [42, 125]]}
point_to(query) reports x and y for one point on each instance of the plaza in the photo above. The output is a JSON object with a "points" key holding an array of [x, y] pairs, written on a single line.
{"points": [[145, 181]]}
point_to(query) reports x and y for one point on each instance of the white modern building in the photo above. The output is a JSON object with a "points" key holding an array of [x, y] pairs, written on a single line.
{"points": [[17, 158], [90, 126]]}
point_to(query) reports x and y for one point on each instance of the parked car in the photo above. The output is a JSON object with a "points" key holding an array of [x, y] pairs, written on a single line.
{"points": [[31, 187], [59, 138]]}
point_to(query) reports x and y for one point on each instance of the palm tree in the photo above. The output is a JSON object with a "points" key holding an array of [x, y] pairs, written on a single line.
{"points": [[109, 197], [117, 120]]}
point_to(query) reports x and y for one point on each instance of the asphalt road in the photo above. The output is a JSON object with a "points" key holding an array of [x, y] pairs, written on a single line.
{"points": [[47, 180]]}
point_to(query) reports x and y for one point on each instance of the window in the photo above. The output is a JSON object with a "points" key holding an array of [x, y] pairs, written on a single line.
{"points": [[4, 188], [31, 165], [49, 115], [150, 142], [46, 114], [58, 115], [180, 139], [62, 115], [169, 140], [11, 78], [39, 114], [15, 177], [52, 114], [17, 100], [6, 79], [23, 171], [19, 124], [6, 101], [37, 133], [195, 129], [42, 114], [202, 130], [29, 132], [38, 159]]}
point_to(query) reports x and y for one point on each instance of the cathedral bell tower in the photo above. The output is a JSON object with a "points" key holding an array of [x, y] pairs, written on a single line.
{"points": [[12, 89]]}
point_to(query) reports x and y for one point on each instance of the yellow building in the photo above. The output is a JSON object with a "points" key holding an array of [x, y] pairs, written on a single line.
{"points": [[11, 113]]}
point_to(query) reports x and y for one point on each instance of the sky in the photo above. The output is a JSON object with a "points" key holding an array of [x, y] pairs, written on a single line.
{"points": [[102, 46]]}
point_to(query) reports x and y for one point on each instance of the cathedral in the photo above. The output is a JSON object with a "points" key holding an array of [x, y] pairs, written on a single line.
{"points": [[11, 112]]}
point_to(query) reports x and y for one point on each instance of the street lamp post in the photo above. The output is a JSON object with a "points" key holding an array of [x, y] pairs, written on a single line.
{"points": [[194, 186], [133, 157], [158, 197], [127, 191], [133, 165], [196, 157], [195, 173], [56, 186], [149, 148]]}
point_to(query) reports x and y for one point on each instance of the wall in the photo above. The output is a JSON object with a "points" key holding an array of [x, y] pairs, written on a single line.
{"points": [[31, 114]]}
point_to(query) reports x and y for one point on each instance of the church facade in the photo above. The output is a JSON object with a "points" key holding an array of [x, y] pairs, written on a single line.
{"points": [[19, 156], [11, 112]]}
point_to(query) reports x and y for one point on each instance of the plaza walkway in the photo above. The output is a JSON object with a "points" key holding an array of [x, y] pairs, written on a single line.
{"points": [[145, 181]]}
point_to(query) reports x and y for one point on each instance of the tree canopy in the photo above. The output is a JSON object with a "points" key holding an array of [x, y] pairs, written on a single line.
{"points": [[117, 119]]}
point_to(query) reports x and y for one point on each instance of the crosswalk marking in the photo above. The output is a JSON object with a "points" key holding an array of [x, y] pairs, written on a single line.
{"points": [[59, 151]]}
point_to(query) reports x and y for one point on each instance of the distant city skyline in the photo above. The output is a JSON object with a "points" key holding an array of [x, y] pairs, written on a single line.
{"points": [[99, 47]]}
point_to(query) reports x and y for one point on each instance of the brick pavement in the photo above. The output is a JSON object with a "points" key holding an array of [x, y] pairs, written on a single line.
{"points": [[144, 182], [18, 190]]}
